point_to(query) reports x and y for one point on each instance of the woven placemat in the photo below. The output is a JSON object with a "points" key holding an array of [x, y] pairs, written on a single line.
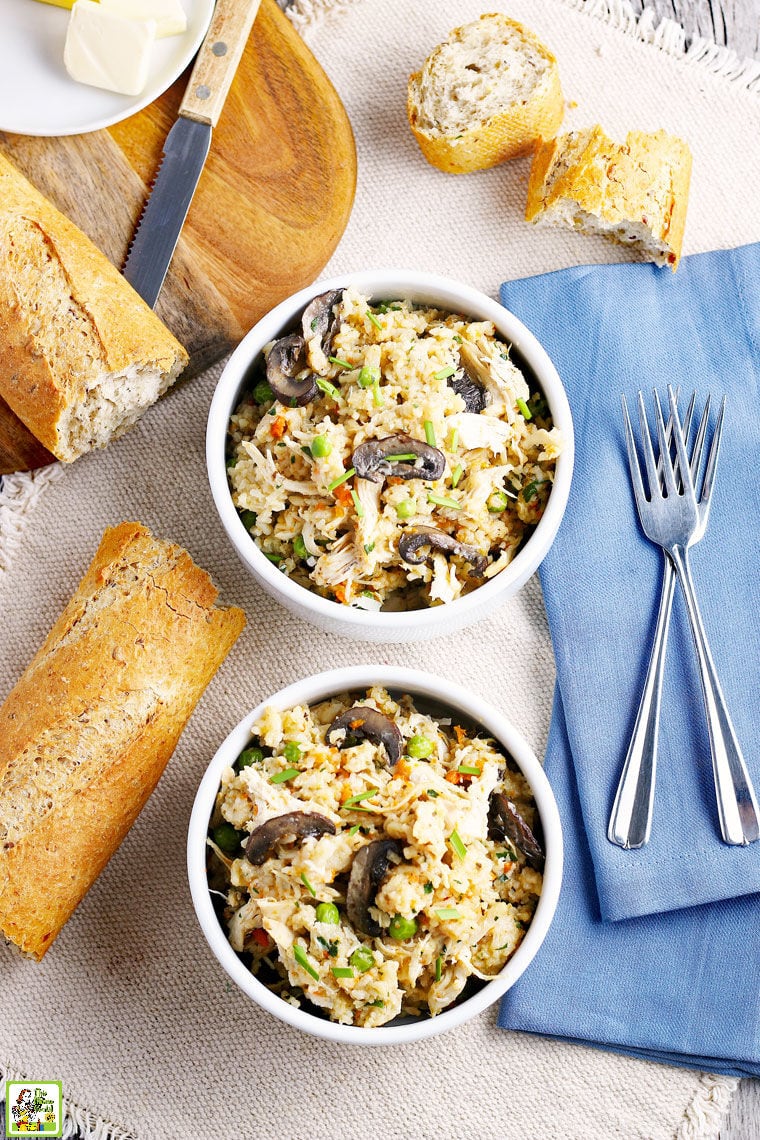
{"points": [[129, 1008]]}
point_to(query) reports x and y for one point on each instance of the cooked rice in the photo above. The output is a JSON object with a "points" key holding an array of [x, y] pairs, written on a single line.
{"points": [[471, 912], [499, 465]]}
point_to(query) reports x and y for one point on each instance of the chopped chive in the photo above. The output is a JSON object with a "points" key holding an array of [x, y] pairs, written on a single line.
{"points": [[438, 968], [430, 432], [449, 370], [308, 885], [468, 770], [456, 475], [457, 846], [342, 971], [378, 324], [330, 389], [341, 479], [300, 956], [357, 504], [276, 558], [292, 751], [433, 793], [453, 439], [443, 501], [497, 502], [524, 410], [248, 519], [299, 548], [405, 509], [368, 548], [448, 912], [428, 888], [401, 457], [341, 363], [353, 830], [377, 398], [368, 376], [508, 854], [457, 338], [357, 799], [531, 490], [282, 777]]}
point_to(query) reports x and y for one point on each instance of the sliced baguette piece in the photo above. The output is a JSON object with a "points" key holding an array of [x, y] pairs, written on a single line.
{"points": [[635, 193], [90, 725], [81, 354], [487, 94]]}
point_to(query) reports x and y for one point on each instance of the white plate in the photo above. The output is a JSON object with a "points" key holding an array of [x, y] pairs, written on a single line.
{"points": [[37, 96]]}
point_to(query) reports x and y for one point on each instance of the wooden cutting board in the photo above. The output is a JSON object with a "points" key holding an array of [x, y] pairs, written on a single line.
{"points": [[271, 205]]}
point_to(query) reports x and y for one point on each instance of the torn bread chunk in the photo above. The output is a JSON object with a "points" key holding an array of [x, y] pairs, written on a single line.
{"points": [[635, 193], [490, 92], [81, 354]]}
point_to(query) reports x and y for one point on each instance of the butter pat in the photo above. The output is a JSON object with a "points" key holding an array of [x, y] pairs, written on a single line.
{"points": [[106, 50], [169, 14]]}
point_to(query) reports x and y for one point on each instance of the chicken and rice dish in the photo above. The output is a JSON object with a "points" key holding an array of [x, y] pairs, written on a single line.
{"points": [[373, 859], [389, 454]]}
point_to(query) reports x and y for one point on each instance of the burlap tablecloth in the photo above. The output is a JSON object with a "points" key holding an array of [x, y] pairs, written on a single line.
{"points": [[129, 1008]]}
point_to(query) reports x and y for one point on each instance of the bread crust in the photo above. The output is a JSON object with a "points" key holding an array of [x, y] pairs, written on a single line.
{"points": [[89, 727], [643, 182], [508, 134], [120, 330]]}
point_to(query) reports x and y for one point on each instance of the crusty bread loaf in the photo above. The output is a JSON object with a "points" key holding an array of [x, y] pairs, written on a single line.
{"points": [[635, 193], [88, 729], [81, 354], [488, 93]]}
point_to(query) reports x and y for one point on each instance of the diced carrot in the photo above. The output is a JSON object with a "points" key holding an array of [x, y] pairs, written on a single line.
{"points": [[343, 494], [278, 427], [460, 734], [402, 769], [457, 777], [340, 592], [261, 938]]}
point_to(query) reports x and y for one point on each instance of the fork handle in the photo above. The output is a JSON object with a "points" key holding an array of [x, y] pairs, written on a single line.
{"points": [[737, 805], [631, 817]]}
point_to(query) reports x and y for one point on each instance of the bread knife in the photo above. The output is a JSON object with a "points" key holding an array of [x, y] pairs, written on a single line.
{"points": [[187, 146]]}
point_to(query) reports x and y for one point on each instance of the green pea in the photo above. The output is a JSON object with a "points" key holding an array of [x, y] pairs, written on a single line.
{"points": [[262, 393], [248, 519], [249, 756], [402, 928], [320, 446], [362, 959], [292, 752], [419, 747], [299, 548], [328, 912], [406, 508], [497, 502], [227, 837]]}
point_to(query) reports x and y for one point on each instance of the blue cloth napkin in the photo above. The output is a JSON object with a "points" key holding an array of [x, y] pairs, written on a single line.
{"points": [[612, 330], [680, 987], [676, 976]]}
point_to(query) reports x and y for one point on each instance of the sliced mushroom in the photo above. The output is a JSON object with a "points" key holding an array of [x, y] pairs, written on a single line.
{"points": [[299, 824], [416, 546], [370, 459], [320, 319], [365, 723], [473, 386], [505, 822], [369, 868], [286, 360]]}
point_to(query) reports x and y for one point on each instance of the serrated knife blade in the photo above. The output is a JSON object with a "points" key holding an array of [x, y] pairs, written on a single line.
{"points": [[187, 146]]}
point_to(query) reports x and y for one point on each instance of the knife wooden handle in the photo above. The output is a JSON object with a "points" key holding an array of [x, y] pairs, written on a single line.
{"points": [[217, 59]]}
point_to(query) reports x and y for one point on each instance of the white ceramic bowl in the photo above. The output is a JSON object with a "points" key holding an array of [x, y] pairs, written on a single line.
{"points": [[425, 685], [410, 625]]}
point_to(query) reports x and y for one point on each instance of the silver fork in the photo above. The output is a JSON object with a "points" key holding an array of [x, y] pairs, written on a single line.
{"points": [[631, 816], [670, 518]]}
